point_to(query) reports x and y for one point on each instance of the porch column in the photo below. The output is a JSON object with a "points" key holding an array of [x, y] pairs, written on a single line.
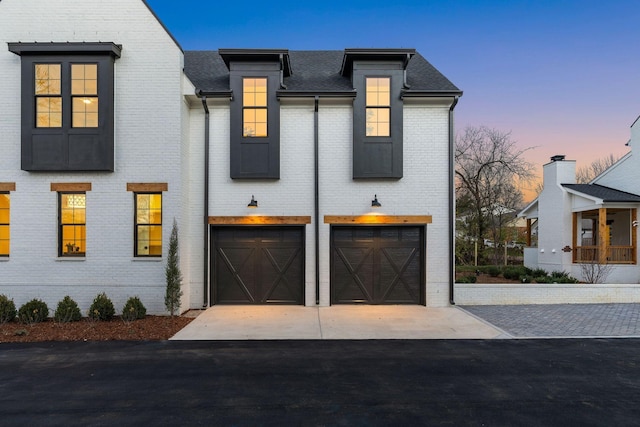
{"points": [[602, 236], [574, 238], [528, 232], [634, 235]]}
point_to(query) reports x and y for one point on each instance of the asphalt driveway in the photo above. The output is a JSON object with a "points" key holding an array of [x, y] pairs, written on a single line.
{"points": [[322, 382]]}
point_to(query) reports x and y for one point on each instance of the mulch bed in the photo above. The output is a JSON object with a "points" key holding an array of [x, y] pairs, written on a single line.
{"points": [[153, 328]]}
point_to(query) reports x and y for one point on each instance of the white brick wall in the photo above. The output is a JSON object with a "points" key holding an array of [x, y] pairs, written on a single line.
{"points": [[553, 293], [422, 191], [148, 134]]}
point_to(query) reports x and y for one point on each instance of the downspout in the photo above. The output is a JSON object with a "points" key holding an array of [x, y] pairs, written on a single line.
{"points": [[205, 281], [317, 195], [452, 214]]}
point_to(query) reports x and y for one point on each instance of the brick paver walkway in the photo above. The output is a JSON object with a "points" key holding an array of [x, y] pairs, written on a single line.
{"points": [[562, 320]]}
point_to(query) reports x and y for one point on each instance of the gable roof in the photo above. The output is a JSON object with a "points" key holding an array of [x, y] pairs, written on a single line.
{"points": [[606, 194], [313, 71]]}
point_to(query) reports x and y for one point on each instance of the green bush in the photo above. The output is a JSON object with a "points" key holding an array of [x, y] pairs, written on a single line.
{"points": [[525, 279], [133, 309], [34, 311], [7, 309], [466, 279], [543, 279], [538, 272], [562, 277], [67, 311], [101, 308], [515, 273], [493, 271]]}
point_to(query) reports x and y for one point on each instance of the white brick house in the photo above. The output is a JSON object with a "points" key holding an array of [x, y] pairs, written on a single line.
{"points": [[585, 225], [110, 131]]}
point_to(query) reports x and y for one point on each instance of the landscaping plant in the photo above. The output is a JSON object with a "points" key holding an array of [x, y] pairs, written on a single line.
{"points": [[101, 308], [7, 309], [67, 311], [34, 311], [133, 310], [173, 274]]}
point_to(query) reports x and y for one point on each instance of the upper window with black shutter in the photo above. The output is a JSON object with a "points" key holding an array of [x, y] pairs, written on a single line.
{"points": [[255, 75], [378, 76], [67, 105]]}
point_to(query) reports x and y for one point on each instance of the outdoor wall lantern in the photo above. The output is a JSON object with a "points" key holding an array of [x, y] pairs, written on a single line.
{"points": [[541, 251], [253, 203], [375, 203]]}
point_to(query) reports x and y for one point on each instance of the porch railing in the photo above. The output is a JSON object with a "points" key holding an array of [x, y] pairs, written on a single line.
{"points": [[615, 254]]}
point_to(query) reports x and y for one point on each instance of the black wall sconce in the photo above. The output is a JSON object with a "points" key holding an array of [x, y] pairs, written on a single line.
{"points": [[375, 203], [253, 203]]}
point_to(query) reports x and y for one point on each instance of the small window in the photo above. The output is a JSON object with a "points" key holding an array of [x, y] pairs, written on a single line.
{"points": [[84, 95], [254, 107], [48, 95], [148, 225], [72, 223], [378, 106], [4, 224]]}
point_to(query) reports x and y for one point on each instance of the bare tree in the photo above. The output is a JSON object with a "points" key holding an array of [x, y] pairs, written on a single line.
{"points": [[489, 166], [586, 174], [595, 272]]}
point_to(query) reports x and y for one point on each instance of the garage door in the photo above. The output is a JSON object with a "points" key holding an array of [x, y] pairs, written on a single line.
{"points": [[377, 265], [257, 265]]}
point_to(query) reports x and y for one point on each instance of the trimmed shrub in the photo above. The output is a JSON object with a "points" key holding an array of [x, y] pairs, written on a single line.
{"points": [[493, 271], [538, 272], [543, 279], [67, 311], [466, 279], [101, 308], [34, 311], [562, 277], [515, 273], [133, 309], [7, 309], [525, 279]]}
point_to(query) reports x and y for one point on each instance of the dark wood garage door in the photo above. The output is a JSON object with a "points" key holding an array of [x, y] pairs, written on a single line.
{"points": [[377, 265], [257, 265]]}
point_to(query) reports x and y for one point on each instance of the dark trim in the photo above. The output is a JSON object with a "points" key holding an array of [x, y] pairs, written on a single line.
{"points": [[429, 93], [137, 225], [353, 54], [61, 226], [205, 260], [316, 204], [66, 48], [215, 94], [311, 94], [376, 157], [68, 148], [280, 56], [452, 214]]}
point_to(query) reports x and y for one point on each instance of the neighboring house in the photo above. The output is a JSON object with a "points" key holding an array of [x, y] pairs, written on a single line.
{"points": [[296, 177], [594, 223]]}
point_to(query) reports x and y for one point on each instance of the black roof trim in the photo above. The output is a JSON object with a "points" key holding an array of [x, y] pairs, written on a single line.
{"points": [[215, 93], [36, 48], [609, 195], [311, 94], [429, 93], [257, 55], [351, 54]]}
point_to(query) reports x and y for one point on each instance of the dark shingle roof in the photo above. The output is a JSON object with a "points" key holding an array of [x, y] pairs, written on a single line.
{"points": [[605, 193], [312, 71]]}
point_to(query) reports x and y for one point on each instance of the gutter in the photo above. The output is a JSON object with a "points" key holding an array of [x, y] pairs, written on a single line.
{"points": [[205, 261], [316, 213], [452, 214]]}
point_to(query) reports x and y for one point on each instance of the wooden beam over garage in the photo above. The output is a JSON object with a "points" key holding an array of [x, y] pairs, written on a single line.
{"points": [[259, 220], [377, 219]]}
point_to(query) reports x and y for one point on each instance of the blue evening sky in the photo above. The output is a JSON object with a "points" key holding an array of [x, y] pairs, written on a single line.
{"points": [[561, 75]]}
